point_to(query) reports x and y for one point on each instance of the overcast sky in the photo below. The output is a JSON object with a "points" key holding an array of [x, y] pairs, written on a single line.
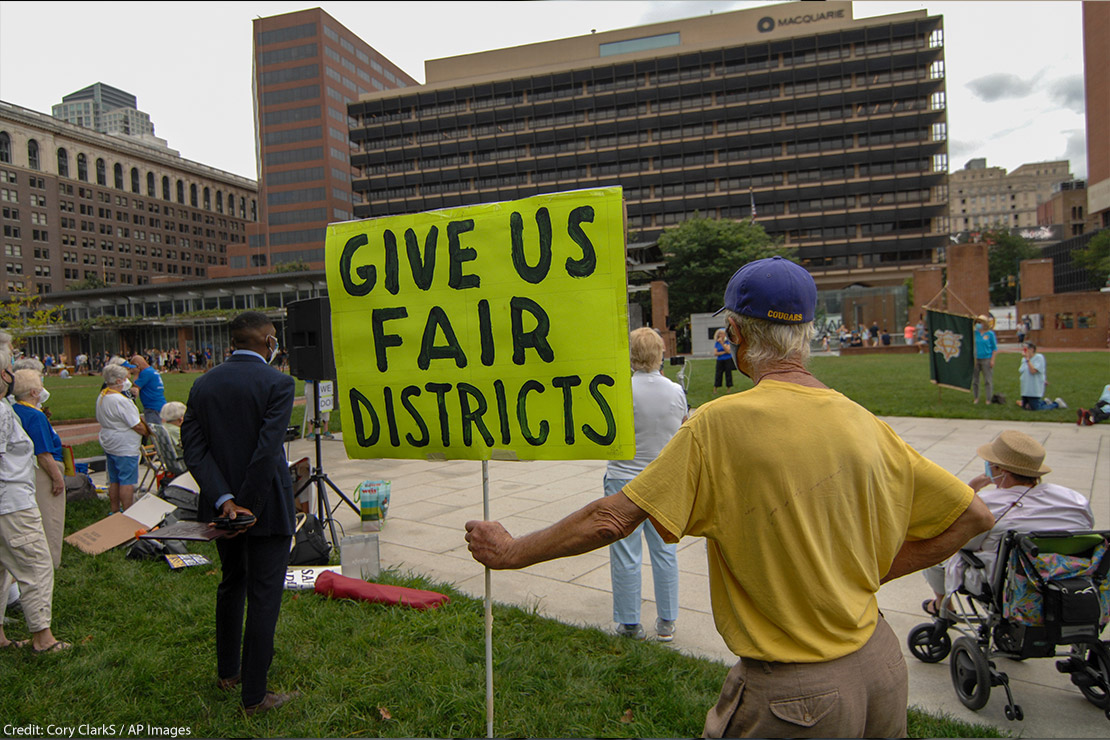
{"points": [[1015, 69]]}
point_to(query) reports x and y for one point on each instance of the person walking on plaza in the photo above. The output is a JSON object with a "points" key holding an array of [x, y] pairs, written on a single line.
{"points": [[723, 368], [50, 485], [232, 436], [1033, 381], [121, 435], [24, 552], [152, 391], [808, 503], [659, 408], [986, 345]]}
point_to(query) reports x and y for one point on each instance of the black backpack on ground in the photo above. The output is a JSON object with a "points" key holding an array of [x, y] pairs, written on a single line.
{"points": [[309, 545]]}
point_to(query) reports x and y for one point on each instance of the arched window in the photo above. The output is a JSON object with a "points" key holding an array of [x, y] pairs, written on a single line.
{"points": [[5, 148], [117, 175], [231, 204], [63, 163], [242, 207], [33, 154], [165, 188], [254, 210], [135, 180], [219, 202], [150, 189], [101, 174], [193, 195], [181, 192], [82, 168], [207, 199]]}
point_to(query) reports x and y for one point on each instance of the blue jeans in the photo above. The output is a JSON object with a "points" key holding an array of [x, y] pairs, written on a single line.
{"points": [[1030, 403], [625, 558]]}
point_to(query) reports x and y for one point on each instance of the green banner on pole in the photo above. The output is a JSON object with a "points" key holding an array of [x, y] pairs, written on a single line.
{"points": [[951, 349]]}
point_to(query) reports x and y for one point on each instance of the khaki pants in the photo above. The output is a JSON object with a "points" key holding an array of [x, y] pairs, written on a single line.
{"points": [[26, 558], [860, 695], [53, 510]]}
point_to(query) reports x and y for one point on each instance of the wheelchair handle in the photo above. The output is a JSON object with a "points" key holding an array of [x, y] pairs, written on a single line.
{"points": [[1029, 546]]}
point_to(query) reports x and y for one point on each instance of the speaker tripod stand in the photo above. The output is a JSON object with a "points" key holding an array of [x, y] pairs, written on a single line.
{"points": [[319, 478]]}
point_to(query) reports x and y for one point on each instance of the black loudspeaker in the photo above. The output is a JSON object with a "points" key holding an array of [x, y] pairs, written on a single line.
{"points": [[308, 332]]}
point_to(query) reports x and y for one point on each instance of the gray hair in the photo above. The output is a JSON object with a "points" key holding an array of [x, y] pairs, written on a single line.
{"points": [[24, 382], [173, 411], [5, 350], [769, 343], [30, 363], [113, 374]]}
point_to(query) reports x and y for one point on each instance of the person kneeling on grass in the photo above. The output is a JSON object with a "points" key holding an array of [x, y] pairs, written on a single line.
{"points": [[1033, 381], [1099, 412]]}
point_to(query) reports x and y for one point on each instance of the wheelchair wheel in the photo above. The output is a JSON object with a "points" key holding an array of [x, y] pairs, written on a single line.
{"points": [[925, 647], [1098, 659], [971, 674]]}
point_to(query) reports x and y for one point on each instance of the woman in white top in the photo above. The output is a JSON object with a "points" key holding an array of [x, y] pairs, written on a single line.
{"points": [[659, 408], [121, 434]]}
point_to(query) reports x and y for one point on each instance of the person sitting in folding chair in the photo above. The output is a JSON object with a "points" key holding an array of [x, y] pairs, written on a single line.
{"points": [[1020, 501]]}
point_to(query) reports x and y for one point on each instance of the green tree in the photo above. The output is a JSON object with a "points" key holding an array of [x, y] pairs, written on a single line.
{"points": [[21, 316], [1005, 252], [1095, 257], [701, 254], [295, 266], [92, 282]]}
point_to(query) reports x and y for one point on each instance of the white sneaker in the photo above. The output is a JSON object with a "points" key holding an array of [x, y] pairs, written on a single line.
{"points": [[1060, 403], [634, 631], [664, 630]]}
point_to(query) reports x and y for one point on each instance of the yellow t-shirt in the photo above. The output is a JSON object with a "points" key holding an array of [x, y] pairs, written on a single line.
{"points": [[805, 498]]}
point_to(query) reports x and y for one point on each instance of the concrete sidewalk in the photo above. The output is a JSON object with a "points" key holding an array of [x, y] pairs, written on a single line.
{"points": [[432, 500]]}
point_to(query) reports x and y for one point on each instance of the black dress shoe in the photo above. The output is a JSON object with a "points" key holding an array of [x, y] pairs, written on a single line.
{"points": [[227, 684], [271, 701]]}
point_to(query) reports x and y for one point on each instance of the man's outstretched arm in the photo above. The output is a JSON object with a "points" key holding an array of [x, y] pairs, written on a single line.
{"points": [[595, 525], [919, 554]]}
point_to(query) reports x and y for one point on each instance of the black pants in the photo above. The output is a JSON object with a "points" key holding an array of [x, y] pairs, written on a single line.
{"points": [[253, 578], [724, 369]]}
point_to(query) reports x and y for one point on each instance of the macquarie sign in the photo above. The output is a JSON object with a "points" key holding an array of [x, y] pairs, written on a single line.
{"points": [[495, 331]]}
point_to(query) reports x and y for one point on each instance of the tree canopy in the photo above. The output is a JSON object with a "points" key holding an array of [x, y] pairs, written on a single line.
{"points": [[701, 254], [1095, 257], [21, 316], [1005, 252]]}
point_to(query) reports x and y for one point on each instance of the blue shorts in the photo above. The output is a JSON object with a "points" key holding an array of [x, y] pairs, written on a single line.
{"points": [[123, 469]]}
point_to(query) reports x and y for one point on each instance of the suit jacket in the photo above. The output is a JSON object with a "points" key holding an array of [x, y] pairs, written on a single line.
{"points": [[232, 437]]}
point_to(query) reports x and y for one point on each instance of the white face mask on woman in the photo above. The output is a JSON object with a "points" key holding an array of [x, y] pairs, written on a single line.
{"points": [[126, 385], [44, 396]]}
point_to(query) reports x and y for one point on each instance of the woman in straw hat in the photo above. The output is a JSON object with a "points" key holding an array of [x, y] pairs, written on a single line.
{"points": [[1014, 463]]}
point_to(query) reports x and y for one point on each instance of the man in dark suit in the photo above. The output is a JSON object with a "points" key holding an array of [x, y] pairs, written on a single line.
{"points": [[232, 437]]}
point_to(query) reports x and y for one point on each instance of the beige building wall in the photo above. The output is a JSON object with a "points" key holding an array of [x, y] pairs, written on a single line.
{"points": [[983, 197]]}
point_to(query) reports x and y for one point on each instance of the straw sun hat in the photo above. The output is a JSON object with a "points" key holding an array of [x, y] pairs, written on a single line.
{"points": [[1017, 453]]}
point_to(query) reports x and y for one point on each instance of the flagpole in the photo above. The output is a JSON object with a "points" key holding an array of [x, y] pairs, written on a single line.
{"points": [[489, 611]]}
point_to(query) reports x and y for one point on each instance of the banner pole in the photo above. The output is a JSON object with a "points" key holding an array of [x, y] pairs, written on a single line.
{"points": [[489, 611]]}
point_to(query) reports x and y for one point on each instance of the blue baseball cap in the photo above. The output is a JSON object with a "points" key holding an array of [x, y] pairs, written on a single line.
{"points": [[127, 365], [773, 289]]}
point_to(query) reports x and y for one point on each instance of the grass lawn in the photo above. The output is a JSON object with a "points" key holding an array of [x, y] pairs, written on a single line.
{"points": [[144, 654]]}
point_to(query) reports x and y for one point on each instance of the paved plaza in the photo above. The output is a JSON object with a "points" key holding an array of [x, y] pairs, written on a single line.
{"points": [[432, 500]]}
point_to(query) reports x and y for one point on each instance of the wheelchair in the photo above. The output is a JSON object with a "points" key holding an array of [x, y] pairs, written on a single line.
{"points": [[1048, 590]]}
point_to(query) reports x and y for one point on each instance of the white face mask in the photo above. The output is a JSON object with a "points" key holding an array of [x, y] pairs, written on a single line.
{"points": [[126, 384], [44, 396], [274, 351]]}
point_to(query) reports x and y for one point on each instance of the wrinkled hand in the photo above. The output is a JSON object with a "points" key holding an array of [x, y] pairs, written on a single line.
{"points": [[490, 544], [979, 482], [57, 486]]}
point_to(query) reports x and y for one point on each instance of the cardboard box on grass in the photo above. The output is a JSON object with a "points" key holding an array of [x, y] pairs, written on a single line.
{"points": [[120, 528]]}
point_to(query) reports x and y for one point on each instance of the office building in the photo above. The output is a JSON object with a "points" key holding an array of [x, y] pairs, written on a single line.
{"points": [[1066, 206], [307, 68], [833, 128], [1096, 82], [81, 206], [985, 197], [108, 110]]}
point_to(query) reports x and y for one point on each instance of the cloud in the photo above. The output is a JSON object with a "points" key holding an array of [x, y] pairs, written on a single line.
{"points": [[1001, 86], [1075, 151], [1068, 92], [959, 149]]}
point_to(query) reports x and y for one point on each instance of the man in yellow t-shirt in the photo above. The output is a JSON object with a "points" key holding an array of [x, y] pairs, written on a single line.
{"points": [[808, 502]]}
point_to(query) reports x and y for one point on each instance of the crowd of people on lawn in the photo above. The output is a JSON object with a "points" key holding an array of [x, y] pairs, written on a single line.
{"points": [[797, 489]]}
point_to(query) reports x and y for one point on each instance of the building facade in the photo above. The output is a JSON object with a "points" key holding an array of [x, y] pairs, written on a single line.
{"points": [[80, 205], [1096, 87], [829, 131], [985, 197], [307, 68], [1067, 206]]}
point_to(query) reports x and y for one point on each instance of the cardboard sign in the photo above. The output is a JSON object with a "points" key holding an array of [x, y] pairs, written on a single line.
{"points": [[496, 331], [327, 395], [120, 528], [303, 577]]}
